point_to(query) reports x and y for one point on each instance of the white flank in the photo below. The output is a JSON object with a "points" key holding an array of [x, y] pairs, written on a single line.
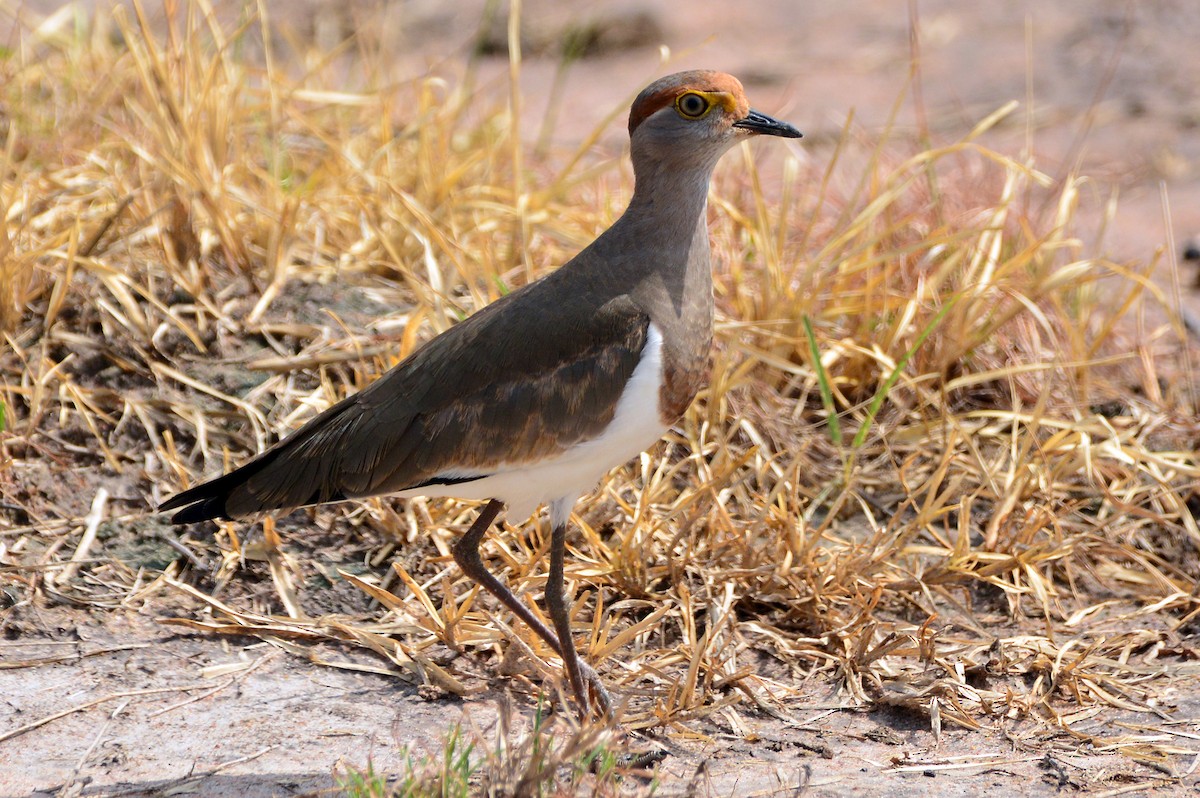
{"points": [[634, 428]]}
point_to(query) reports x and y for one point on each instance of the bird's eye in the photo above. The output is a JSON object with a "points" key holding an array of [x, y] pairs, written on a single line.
{"points": [[692, 105]]}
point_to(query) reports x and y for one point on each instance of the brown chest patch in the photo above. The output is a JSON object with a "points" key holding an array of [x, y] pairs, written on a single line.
{"points": [[681, 383]]}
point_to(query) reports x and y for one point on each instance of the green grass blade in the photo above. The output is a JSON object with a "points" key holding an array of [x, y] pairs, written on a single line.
{"points": [[835, 426], [882, 392]]}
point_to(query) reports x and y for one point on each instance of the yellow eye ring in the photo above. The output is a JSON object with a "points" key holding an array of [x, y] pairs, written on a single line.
{"points": [[692, 105]]}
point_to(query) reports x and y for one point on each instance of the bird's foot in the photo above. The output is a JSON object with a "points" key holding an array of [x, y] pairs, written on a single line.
{"points": [[591, 693]]}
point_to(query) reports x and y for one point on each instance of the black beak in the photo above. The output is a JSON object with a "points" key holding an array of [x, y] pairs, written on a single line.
{"points": [[757, 122]]}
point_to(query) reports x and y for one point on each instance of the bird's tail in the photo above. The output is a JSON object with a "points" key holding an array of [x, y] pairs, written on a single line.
{"points": [[207, 501], [297, 471]]}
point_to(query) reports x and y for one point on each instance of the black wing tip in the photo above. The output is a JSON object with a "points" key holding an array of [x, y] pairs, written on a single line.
{"points": [[178, 500], [209, 510], [195, 506]]}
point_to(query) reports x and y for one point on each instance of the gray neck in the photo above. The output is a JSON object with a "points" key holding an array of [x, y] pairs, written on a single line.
{"points": [[667, 218], [670, 195], [675, 284], [657, 253]]}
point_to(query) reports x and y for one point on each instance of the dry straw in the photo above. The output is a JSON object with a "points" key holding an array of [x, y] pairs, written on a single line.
{"points": [[946, 462]]}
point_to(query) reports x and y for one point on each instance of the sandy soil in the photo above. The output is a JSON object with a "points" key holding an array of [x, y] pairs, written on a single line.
{"points": [[171, 714], [271, 724]]}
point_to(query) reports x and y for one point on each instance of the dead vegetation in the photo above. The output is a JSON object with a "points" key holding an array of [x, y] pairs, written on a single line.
{"points": [[947, 460]]}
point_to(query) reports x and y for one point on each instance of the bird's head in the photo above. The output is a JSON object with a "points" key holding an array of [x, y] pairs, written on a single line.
{"points": [[696, 115]]}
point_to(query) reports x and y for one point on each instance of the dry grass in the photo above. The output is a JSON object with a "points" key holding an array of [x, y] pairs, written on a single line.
{"points": [[946, 461]]}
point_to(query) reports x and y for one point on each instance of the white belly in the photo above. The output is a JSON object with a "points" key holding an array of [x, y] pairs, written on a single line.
{"points": [[523, 486]]}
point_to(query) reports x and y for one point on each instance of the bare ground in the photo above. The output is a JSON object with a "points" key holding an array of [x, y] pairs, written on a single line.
{"points": [[162, 713]]}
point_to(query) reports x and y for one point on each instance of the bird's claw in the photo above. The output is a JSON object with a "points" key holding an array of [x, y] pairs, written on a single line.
{"points": [[593, 695]]}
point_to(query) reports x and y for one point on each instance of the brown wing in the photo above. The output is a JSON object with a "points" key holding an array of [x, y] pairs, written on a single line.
{"points": [[518, 380]]}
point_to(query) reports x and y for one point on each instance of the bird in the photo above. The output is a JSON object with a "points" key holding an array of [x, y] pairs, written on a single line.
{"points": [[532, 399]]}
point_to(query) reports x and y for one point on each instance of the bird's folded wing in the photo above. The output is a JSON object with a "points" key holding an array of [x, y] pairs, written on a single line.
{"points": [[493, 390]]}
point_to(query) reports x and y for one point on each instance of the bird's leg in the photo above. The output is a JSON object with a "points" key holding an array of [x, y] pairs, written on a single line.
{"points": [[559, 606], [466, 554]]}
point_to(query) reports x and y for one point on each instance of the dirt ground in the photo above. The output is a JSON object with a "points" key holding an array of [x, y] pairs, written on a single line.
{"points": [[171, 714], [127, 706]]}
